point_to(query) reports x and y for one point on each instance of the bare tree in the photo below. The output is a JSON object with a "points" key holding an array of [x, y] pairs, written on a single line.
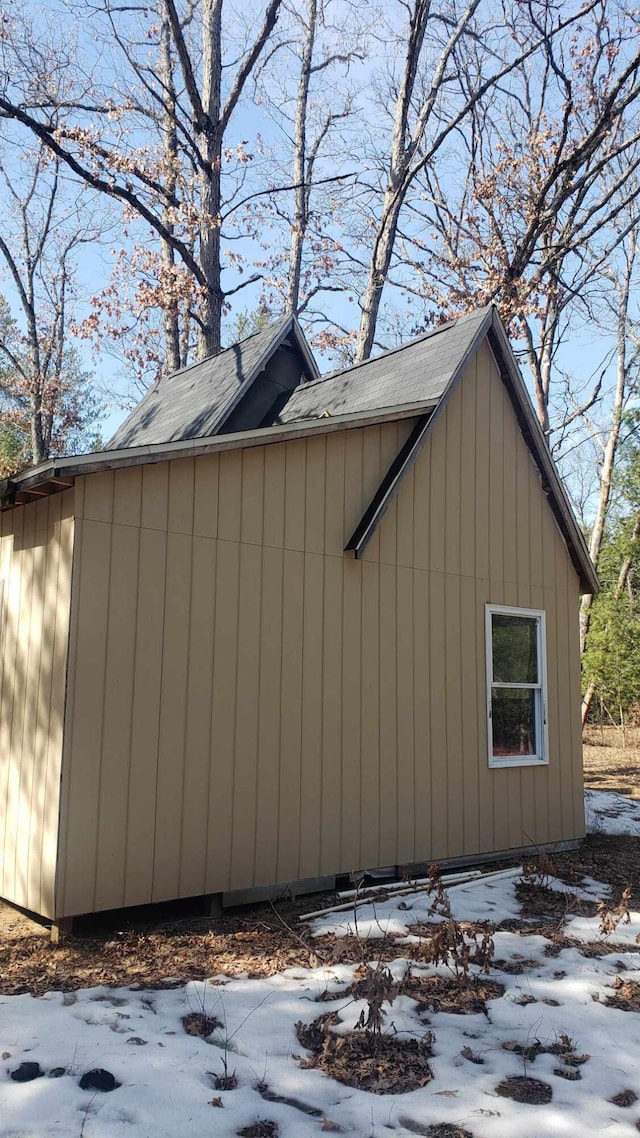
{"points": [[525, 179], [196, 115], [44, 226], [544, 195], [626, 366]]}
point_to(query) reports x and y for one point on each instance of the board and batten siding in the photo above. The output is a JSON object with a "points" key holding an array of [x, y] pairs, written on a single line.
{"points": [[36, 546], [249, 705]]}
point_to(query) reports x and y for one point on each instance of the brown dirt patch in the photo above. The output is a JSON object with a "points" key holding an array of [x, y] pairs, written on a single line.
{"points": [[522, 1088], [256, 940], [538, 901], [624, 1098], [515, 966], [612, 859], [441, 994], [380, 1064], [608, 763], [626, 996]]}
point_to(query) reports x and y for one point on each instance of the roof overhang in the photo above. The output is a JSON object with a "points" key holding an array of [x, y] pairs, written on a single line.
{"points": [[59, 473], [534, 437]]}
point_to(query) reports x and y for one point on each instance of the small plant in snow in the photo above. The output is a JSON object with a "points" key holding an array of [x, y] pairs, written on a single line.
{"points": [[538, 870], [450, 944], [377, 987], [612, 915]]}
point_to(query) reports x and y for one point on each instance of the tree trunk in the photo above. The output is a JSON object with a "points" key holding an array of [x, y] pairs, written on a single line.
{"points": [[399, 160], [209, 137], [378, 271], [300, 217], [404, 146], [171, 315]]}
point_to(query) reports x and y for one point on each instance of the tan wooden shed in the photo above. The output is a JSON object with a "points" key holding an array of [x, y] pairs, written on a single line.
{"points": [[286, 628]]}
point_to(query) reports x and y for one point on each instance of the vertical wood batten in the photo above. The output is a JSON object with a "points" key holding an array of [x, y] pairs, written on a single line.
{"points": [[311, 733], [388, 715], [225, 668], [291, 716], [230, 495], [30, 766], [351, 713], [470, 742], [369, 793], [181, 496], [421, 713], [198, 741], [245, 759], [85, 753], [118, 706], [332, 690], [47, 713], [372, 475], [16, 885], [59, 695], [483, 500], [437, 715], [205, 496], [294, 498], [145, 721], [127, 496], [269, 728], [404, 686], [252, 496], [172, 720]]}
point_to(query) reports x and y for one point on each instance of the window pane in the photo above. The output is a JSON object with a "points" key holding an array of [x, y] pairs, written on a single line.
{"points": [[513, 719], [515, 649]]}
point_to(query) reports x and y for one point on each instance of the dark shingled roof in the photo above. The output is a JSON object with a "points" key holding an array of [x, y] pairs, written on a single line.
{"points": [[416, 372], [193, 403]]}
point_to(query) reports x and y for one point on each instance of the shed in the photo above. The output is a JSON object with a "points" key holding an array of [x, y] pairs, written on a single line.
{"points": [[285, 628]]}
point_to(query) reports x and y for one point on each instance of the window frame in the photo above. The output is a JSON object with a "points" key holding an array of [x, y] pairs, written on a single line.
{"points": [[541, 717]]}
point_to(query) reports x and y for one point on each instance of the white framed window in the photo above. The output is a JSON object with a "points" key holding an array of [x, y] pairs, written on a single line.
{"points": [[516, 686]]}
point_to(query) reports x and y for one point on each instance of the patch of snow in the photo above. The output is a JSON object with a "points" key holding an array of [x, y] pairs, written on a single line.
{"points": [[610, 813], [493, 900]]}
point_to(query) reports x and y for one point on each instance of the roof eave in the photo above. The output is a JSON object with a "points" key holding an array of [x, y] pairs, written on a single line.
{"points": [[72, 467], [532, 431]]}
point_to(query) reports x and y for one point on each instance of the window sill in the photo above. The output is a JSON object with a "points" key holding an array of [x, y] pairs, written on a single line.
{"points": [[529, 761]]}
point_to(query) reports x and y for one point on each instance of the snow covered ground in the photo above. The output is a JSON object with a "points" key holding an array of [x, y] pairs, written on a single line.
{"points": [[168, 1077], [609, 813]]}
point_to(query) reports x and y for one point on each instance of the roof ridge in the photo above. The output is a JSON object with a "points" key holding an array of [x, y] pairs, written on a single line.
{"points": [[399, 348]]}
